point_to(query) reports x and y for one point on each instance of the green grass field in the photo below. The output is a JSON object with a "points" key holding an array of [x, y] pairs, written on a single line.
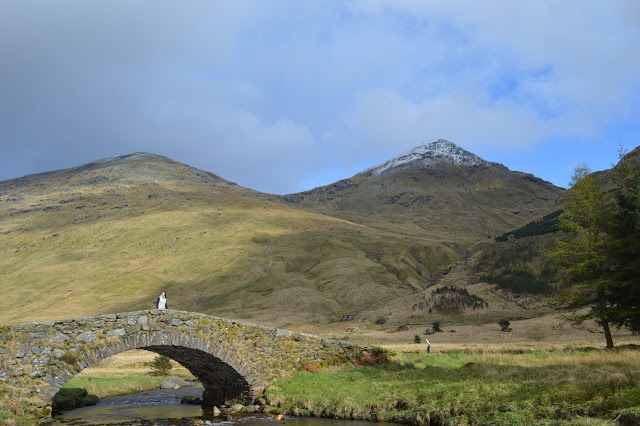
{"points": [[565, 387]]}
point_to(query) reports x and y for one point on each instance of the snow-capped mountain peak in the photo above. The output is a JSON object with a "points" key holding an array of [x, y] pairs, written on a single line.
{"points": [[438, 151]]}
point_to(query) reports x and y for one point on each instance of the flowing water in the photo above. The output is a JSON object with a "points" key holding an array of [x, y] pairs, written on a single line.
{"points": [[162, 407]]}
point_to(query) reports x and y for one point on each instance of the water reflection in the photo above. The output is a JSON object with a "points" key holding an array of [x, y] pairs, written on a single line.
{"points": [[162, 407]]}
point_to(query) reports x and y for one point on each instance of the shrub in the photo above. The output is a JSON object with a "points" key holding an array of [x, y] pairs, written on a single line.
{"points": [[160, 366], [382, 320], [69, 358], [453, 300], [376, 357], [417, 339], [311, 368], [504, 323], [436, 326]]}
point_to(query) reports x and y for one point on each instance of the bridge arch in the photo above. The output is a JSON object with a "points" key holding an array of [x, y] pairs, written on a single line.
{"points": [[233, 360], [222, 372]]}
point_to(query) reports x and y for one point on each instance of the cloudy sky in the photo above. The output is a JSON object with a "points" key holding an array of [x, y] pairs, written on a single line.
{"points": [[282, 96]]}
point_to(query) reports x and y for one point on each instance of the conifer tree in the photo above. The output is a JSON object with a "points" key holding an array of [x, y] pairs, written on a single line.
{"points": [[581, 253], [624, 229], [161, 365]]}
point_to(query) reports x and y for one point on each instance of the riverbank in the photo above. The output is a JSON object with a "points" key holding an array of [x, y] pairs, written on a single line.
{"points": [[587, 386], [462, 385], [551, 386]]}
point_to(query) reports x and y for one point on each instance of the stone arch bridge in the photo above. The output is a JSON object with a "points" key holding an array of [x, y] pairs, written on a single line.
{"points": [[232, 360]]}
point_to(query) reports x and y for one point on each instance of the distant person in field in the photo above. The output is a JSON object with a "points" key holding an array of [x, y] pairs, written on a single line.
{"points": [[161, 303]]}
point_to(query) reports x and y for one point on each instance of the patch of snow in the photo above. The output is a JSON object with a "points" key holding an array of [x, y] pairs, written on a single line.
{"points": [[435, 152]]}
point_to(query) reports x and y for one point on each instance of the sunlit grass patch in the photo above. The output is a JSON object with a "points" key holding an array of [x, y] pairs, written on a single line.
{"points": [[573, 387]]}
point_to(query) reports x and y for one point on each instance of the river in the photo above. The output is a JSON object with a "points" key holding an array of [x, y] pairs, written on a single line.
{"points": [[162, 407]]}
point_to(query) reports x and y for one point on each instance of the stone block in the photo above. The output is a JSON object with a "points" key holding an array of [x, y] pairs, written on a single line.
{"points": [[44, 326], [23, 352], [117, 332], [130, 329], [42, 361], [87, 336], [36, 373], [37, 335], [284, 333]]}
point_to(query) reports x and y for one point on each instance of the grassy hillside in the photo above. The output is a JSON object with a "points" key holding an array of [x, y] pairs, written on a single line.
{"points": [[108, 237]]}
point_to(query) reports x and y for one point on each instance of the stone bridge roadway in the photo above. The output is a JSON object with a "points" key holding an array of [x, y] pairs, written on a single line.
{"points": [[232, 360]]}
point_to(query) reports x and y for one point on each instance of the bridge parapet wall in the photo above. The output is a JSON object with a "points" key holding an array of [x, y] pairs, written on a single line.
{"points": [[232, 359]]}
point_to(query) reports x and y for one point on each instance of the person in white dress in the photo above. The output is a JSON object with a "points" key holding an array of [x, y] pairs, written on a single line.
{"points": [[161, 303]]}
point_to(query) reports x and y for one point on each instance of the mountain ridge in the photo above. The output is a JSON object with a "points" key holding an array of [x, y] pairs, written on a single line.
{"points": [[108, 235], [442, 180]]}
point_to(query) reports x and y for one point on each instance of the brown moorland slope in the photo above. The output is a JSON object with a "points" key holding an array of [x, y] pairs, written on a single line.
{"points": [[439, 187], [110, 235]]}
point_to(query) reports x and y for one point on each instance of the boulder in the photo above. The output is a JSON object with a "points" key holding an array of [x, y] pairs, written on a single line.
{"points": [[236, 408], [175, 383], [191, 400]]}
